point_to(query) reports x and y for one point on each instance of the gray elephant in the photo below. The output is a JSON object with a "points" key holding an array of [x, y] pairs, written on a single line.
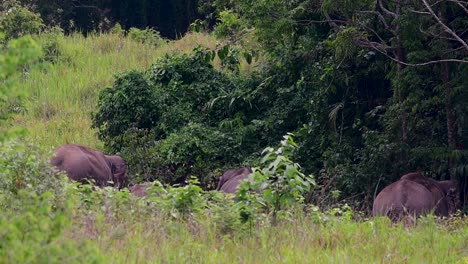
{"points": [[231, 178], [415, 194], [81, 163]]}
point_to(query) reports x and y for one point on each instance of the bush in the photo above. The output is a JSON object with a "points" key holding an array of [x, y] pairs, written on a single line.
{"points": [[229, 25], [130, 103], [50, 42], [163, 122], [18, 53], [17, 21], [147, 36], [34, 233], [279, 183], [194, 149], [37, 207], [117, 29]]}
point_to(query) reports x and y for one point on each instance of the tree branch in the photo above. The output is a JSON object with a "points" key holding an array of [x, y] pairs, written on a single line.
{"points": [[461, 4], [445, 27], [372, 45], [386, 11]]}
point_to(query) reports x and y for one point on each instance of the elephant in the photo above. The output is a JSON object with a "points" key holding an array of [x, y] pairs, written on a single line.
{"points": [[81, 163], [231, 178], [139, 190], [415, 194]]}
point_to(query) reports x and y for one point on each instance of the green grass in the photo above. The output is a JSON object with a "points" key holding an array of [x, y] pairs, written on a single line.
{"points": [[61, 97], [164, 240]]}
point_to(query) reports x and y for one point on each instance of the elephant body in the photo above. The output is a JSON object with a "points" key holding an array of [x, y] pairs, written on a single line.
{"points": [[231, 178], [415, 194], [81, 163]]}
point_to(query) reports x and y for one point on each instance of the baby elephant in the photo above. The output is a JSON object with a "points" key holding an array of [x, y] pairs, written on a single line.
{"points": [[81, 163], [415, 194]]}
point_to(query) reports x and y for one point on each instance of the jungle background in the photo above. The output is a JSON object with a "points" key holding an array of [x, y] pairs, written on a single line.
{"points": [[352, 95]]}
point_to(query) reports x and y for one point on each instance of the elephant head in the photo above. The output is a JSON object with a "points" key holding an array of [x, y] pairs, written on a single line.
{"points": [[118, 170], [452, 193]]}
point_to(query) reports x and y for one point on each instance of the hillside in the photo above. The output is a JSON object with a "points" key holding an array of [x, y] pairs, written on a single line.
{"points": [[61, 96]]}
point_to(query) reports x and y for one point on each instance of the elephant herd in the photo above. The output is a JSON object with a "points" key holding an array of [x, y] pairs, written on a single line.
{"points": [[413, 194]]}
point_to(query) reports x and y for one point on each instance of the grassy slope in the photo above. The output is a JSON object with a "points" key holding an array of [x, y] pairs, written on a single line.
{"points": [[61, 97], [59, 103]]}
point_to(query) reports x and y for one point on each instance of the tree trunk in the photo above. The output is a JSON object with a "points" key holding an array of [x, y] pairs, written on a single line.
{"points": [[401, 57], [453, 140]]}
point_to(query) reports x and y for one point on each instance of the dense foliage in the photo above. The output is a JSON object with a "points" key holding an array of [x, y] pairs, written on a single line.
{"points": [[379, 82], [369, 98], [166, 125]]}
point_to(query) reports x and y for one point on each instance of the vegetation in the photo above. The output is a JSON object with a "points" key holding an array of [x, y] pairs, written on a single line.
{"points": [[327, 101]]}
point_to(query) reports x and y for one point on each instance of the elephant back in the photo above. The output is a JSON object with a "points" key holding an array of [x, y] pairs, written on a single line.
{"points": [[416, 194], [82, 164], [439, 200], [401, 198], [231, 178]]}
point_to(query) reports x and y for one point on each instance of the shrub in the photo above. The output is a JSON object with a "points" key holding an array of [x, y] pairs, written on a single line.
{"points": [[50, 42], [23, 172], [194, 149], [148, 36], [37, 207], [164, 125], [17, 54], [17, 21], [280, 182], [117, 29], [229, 24], [130, 103], [224, 213]]}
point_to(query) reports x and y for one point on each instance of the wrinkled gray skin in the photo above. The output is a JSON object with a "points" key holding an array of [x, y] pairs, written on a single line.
{"points": [[82, 163], [231, 178], [416, 195], [139, 190]]}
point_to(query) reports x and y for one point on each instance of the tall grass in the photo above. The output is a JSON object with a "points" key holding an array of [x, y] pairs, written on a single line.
{"points": [[61, 96], [301, 240]]}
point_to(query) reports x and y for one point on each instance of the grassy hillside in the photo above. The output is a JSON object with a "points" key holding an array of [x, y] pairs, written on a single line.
{"points": [[61, 96]]}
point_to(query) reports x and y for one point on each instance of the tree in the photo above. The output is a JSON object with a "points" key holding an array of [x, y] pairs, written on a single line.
{"points": [[341, 53]]}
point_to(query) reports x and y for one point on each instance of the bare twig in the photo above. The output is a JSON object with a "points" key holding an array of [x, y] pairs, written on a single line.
{"points": [[462, 5], [306, 22], [386, 11], [445, 27], [420, 12], [373, 46]]}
